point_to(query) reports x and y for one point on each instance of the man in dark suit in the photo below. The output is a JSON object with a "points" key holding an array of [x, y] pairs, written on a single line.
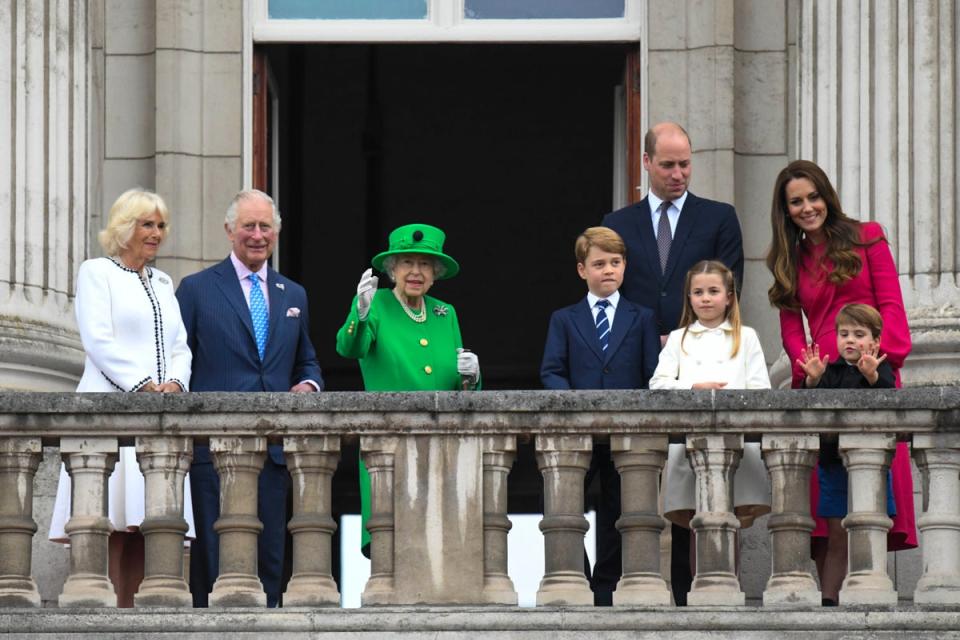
{"points": [[700, 229], [666, 233], [602, 342], [247, 327]]}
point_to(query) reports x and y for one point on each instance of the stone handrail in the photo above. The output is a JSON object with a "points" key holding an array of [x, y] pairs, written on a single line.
{"points": [[438, 464]]}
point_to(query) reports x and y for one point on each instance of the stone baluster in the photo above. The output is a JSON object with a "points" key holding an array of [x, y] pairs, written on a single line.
{"points": [[938, 456], [639, 460], [312, 461], [164, 462], [563, 461], [379, 455], [715, 459], [19, 459], [498, 455], [790, 459], [89, 462], [238, 461], [867, 458]]}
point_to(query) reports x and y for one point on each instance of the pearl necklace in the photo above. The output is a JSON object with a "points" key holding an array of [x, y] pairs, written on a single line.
{"points": [[420, 316]]}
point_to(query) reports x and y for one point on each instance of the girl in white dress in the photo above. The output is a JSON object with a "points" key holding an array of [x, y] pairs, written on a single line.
{"points": [[134, 340], [712, 350]]}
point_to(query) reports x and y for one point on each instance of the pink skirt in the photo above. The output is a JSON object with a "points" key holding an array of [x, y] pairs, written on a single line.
{"points": [[903, 534]]}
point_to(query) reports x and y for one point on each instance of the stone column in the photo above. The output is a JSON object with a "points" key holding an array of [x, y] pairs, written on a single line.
{"points": [[639, 460], [19, 459], [498, 455], [164, 462], [43, 99], [238, 461], [867, 458], [790, 459], [89, 462], [378, 454], [879, 112], [715, 459], [196, 123], [938, 456], [312, 461], [563, 461]]}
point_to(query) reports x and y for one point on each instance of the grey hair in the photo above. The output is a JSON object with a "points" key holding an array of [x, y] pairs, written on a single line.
{"points": [[390, 263], [248, 194]]}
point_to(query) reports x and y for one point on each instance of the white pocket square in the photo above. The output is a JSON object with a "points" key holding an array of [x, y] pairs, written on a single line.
{"points": [[293, 312]]}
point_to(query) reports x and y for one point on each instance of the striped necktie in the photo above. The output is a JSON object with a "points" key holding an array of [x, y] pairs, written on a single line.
{"points": [[603, 325], [258, 313]]}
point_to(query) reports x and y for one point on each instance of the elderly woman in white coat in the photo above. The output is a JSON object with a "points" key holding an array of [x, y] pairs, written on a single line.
{"points": [[134, 340]]}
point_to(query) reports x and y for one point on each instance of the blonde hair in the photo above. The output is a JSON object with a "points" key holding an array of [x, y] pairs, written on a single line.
{"points": [[132, 206], [602, 238], [732, 313]]}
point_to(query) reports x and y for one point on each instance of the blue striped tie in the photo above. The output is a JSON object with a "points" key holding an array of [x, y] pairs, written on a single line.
{"points": [[603, 326], [258, 314]]}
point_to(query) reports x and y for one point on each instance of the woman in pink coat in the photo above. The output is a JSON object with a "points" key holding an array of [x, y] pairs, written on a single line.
{"points": [[822, 260]]}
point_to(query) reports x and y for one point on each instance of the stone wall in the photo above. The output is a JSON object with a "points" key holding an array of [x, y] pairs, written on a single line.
{"points": [[167, 115]]}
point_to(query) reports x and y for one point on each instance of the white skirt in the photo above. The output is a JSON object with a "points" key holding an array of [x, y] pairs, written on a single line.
{"points": [[126, 501], [751, 486]]}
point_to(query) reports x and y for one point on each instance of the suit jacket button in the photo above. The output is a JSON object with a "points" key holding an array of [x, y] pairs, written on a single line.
{"points": [[423, 342], [663, 294], [428, 369], [606, 370]]}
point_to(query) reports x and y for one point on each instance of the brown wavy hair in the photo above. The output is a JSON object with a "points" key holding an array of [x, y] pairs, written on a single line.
{"points": [[841, 232], [732, 314]]}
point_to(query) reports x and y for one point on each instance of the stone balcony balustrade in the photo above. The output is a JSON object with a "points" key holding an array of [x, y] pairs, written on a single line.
{"points": [[439, 463]]}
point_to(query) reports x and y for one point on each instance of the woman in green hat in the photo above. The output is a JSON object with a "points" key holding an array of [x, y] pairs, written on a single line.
{"points": [[404, 339]]}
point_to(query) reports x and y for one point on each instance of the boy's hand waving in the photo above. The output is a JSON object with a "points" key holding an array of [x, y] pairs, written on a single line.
{"points": [[869, 363], [812, 364]]}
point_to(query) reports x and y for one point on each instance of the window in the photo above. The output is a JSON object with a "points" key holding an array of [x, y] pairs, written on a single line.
{"points": [[347, 9], [447, 20], [541, 9]]}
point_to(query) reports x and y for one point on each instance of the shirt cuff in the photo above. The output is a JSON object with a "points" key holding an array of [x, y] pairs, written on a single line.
{"points": [[316, 387]]}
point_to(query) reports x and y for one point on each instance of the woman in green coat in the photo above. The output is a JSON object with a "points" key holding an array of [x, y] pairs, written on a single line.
{"points": [[404, 339]]}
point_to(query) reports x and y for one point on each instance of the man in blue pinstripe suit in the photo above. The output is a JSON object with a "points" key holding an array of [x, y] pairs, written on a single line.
{"points": [[232, 352]]}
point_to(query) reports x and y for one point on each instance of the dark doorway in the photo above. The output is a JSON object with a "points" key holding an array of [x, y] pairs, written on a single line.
{"points": [[507, 148]]}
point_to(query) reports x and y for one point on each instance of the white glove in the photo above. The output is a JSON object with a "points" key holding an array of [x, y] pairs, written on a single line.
{"points": [[365, 290], [468, 366]]}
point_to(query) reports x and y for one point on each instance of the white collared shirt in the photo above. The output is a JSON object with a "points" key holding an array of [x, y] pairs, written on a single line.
{"points": [[673, 211], [611, 309]]}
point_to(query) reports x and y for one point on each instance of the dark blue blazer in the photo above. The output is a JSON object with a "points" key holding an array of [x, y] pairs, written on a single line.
{"points": [[706, 230], [572, 358], [220, 334]]}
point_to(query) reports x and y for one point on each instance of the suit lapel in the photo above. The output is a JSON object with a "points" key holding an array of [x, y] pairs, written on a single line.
{"points": [[623, 320], [685, 224], [278, 305], [583, 321], [648, 241], [230, 287]]}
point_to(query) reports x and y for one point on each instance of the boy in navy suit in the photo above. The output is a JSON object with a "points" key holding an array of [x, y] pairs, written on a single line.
{"points": [[602, 342]]}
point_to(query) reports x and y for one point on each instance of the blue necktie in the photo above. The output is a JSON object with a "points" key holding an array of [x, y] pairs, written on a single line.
{"points": [[258, 313], [603, 326]]}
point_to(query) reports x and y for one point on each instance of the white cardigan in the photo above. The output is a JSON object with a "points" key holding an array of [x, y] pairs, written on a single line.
{"points": [[131, 329], [705, 357]]}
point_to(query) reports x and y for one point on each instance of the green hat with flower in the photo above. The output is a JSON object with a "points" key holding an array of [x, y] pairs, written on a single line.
{"points": [[418, 238]]}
